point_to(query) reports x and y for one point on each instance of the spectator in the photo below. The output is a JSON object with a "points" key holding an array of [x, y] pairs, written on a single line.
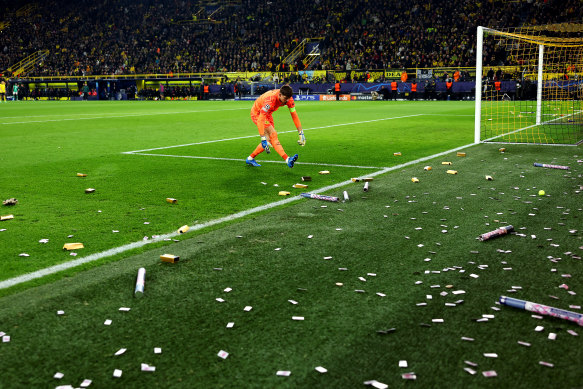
{"points": [[85, 37]]}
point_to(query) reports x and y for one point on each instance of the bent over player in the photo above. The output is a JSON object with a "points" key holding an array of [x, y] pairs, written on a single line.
{"points": [[261, 114]]}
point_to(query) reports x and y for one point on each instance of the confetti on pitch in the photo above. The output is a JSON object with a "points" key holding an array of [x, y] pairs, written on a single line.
{"points": [[376, 384], [58, 375], [10, 202], [117, 373], [146, 367], [490, 373], [73, 246], [223, 354], [283, 373], [321, 369], [120, 351], [169, 258]]}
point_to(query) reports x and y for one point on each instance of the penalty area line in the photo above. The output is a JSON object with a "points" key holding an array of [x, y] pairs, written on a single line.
{"points": [[118, 250]]}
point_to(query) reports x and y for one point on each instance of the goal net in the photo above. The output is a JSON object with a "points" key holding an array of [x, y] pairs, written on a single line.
{"points": [[529, 85]]}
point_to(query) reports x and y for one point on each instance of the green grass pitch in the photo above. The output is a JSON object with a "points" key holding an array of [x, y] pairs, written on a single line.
{"points": [[390, 258]]}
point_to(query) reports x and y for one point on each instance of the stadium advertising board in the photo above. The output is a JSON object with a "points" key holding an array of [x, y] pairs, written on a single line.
{"points": [[361, 97], [333, 97], [307, 97]]}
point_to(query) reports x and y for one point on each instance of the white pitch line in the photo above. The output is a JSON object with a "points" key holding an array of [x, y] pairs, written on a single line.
{"points": [[117, 250], [122, 116], [243, 160], [194, 144], [282, 132]]}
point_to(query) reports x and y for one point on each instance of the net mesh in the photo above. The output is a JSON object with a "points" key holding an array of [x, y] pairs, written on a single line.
{"points": [[510, 111]]}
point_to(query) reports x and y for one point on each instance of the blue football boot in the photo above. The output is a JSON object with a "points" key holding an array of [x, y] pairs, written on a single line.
{"points": [[291, 160], [253, 162]]}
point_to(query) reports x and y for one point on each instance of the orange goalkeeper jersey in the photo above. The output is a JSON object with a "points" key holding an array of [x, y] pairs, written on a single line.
{"points": [[269, 102]]}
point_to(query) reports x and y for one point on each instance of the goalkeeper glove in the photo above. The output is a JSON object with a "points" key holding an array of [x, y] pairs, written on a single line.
{"points": [[302, 140], [265, 144]]}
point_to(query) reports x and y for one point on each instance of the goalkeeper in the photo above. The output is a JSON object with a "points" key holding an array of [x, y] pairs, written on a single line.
{"points": [[261, 114]]}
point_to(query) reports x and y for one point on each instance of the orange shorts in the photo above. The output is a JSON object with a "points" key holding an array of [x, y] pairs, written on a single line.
{"points": [[268, 121]]}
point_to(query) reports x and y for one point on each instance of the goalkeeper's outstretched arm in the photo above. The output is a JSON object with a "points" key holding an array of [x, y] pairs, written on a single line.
{"points": [[298, 124]]}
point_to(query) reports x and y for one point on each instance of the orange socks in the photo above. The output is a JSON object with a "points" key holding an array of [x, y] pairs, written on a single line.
{"points": [[274, 143], [258, 150]]}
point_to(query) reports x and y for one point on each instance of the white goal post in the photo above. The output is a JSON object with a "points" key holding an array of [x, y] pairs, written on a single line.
{"points": [[529, 85]]}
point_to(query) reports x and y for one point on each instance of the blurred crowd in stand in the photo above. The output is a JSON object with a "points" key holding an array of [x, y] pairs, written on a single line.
{"points": [[88, 37]]}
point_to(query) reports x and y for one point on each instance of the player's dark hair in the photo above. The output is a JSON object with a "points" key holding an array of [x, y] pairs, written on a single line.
{"points": [[286, 90]]}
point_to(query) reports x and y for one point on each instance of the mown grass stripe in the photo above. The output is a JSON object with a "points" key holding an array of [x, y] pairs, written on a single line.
{"points": [[117, 250]]}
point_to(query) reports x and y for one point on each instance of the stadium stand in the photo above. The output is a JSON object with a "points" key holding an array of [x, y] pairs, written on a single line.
{"points": [[87, 37]]}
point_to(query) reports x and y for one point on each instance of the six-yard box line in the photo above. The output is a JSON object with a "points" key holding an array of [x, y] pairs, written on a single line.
{"points": [[144, 151]]}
